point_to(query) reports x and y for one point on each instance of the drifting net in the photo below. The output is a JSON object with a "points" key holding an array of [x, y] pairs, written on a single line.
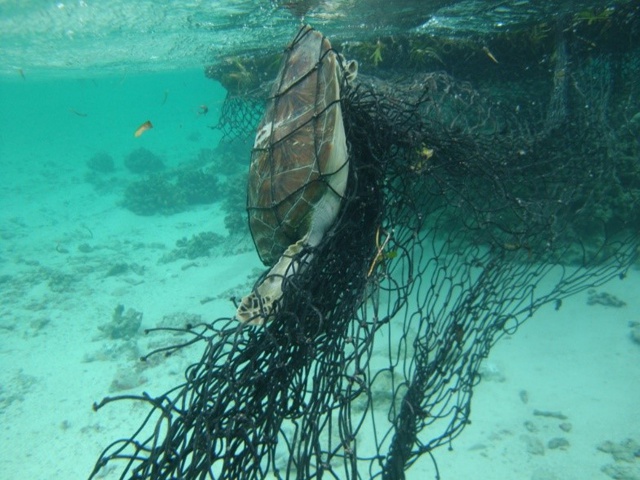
{"points": [[459, 221], [239, 117]]}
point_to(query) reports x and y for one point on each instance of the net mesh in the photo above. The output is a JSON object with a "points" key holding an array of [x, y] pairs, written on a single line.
{"points": [[459, 221], [239, 117]]}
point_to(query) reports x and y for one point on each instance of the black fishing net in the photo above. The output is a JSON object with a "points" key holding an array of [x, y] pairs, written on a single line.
{"points": [[239, 116], [460, 220]]}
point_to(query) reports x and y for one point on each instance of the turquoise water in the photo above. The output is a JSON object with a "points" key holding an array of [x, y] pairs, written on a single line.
{"points": [[72, 118], [77, 79], [52, 293]]}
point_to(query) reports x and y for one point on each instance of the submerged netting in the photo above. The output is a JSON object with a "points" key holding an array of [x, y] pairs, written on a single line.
{"points": [[239, 117], [459, 222]]}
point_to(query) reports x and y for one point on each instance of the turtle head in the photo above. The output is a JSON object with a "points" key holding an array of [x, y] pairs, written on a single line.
{"points": [[254, 309]]}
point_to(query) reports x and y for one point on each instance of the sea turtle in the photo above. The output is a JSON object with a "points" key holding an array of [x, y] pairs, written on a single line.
{"points": [[299, 165]]}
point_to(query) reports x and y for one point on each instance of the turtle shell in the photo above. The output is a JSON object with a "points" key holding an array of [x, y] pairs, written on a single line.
{"points": [[300, 157]]}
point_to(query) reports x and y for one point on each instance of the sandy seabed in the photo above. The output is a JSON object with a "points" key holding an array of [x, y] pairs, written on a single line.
{"points": [[565, 383]]}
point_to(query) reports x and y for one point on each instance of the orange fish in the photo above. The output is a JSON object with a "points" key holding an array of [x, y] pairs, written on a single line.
{"points": [[143, 128]]}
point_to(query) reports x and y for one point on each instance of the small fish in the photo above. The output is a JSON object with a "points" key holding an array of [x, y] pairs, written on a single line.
{"points": [[76, 112], [203, 110], [21, 72], [489, 54], [426, 152], [143, 128]]}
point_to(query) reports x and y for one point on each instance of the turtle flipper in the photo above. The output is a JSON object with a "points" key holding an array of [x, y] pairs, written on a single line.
{"points": [[258, 306]]}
